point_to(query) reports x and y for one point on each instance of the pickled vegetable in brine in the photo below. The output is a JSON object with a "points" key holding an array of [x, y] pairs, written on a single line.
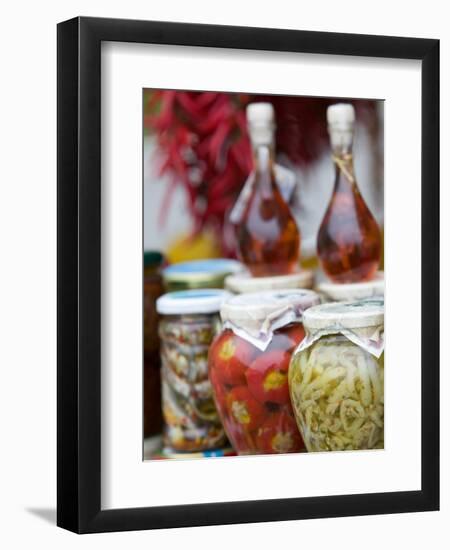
{"points": [[337, 391]]}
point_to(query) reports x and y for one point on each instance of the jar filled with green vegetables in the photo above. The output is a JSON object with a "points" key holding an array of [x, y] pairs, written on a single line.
{"points": [[336, 376]]}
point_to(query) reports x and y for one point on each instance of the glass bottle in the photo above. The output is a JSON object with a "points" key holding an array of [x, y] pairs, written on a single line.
{"points": [[349, 240], [268, 237]]}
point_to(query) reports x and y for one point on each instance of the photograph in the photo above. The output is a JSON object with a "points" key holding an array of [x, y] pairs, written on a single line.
{"points": [[213, 215], [241, 210], [263, 274]]}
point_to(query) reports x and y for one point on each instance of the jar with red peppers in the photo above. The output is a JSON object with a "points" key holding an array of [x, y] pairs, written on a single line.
{"points": [[248, 368]]}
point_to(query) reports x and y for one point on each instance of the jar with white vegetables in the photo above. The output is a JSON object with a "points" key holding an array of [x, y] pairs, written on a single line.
{"points": [[336, 376]]}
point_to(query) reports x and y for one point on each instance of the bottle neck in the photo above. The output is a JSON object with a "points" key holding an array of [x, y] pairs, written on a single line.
{"points": [[342, 155], [263, 159], [262, 135], [343, 163], [341, 138]]}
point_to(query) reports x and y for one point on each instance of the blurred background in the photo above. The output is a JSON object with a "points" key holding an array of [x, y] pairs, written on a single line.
{"points": [[197, 157]]}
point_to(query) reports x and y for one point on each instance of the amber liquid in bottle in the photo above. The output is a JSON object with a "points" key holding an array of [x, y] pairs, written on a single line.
{"points": [[268, 236], [349, 240]]}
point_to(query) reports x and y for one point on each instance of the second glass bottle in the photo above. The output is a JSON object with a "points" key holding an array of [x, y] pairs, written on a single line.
{"points": [[349, 241]]}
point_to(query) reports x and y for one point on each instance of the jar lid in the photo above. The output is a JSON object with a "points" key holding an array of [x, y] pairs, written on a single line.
{"points": [[191, 301], [346, 315], [241, 283], [353, 291], [255, 316], [198, 272]]}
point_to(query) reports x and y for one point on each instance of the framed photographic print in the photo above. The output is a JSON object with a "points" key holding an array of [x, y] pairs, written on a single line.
{"points": [[247, 218]]}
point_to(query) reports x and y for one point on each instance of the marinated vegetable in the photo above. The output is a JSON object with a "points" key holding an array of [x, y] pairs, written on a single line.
{"points": [[267, 377], [231, 355], [189, 323], [279, 434], [252, 394], [248, 367], [244, 409], [337, 391]]}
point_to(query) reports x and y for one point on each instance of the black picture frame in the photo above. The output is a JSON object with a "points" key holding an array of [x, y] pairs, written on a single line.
{"points": [[79, 274]]}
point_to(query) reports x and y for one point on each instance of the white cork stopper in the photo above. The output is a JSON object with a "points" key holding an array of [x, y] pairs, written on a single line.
{"points": [[341, 120], [341, 114], [260, 113], [261, 123]]}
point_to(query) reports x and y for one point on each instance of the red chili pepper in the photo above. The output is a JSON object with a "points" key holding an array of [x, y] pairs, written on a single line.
{"points": [[279, 434], [267, 377], [229, 357], [244, 409]]}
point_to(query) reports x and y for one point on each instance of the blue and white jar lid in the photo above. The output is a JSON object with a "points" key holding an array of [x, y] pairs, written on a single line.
{"points": [[197, 270], [191, 301]]}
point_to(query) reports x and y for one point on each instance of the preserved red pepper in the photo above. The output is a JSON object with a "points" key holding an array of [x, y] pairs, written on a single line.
{"points": [[267, 235], [255, 406], [250, 378], [349, 240], [279, 434], [267, 376]]}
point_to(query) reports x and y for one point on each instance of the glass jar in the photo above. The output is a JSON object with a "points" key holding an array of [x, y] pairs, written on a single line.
{"points": [[190, 320], [153, 289], [199, 274], [336, 377], [248, 369], [346, 292]]}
